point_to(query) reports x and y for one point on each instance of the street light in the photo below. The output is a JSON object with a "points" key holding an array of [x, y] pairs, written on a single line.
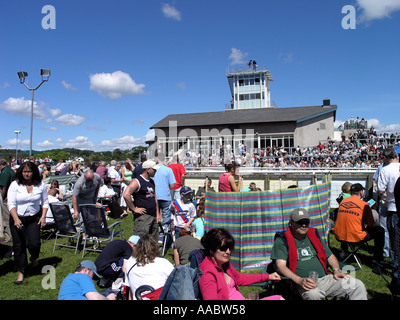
{"points": [[45, 73], [16, 149]]}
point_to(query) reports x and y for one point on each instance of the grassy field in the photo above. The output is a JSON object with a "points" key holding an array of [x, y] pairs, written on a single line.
{"points": [[44, 282]]}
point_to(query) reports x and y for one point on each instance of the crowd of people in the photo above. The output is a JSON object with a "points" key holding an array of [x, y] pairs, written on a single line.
{"points": [[156, 195], [361, 149]]}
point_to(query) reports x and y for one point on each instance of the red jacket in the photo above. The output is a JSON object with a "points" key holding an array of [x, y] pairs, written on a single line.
{"points": [[212, 282]]}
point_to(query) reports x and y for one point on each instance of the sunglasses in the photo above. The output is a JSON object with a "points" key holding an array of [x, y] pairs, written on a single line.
{"points": [[225, 247], [303, 223]]}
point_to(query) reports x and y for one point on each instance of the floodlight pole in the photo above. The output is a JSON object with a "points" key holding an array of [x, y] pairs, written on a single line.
{"points": [[33, 91]]}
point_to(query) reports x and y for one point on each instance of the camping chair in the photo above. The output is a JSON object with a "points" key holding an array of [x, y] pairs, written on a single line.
{"points": [[166, 236], [96, 228], [50, 228], [353, 249], [65, 225]]}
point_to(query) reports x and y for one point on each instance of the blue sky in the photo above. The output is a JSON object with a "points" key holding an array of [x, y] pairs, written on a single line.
{"points": [[118, 67]]}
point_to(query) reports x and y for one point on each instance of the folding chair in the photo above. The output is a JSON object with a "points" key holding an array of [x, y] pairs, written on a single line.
{"points": [[96, 228], [65, 225], [354, 247]]}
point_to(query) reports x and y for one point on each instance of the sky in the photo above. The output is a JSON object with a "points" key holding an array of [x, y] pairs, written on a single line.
{"points": [[118, 67]]}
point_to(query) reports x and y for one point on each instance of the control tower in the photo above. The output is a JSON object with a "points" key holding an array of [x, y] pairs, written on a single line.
{"points": [[250, 87]]}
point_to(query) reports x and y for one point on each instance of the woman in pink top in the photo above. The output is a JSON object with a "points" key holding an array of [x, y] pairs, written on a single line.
{"points": [[227, 181], [220, 280]]}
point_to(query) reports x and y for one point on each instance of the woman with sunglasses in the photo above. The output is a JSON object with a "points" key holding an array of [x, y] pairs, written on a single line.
{"points": [[28, 204], [220, 280]]}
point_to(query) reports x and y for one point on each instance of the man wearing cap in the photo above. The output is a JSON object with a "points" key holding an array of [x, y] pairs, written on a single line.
{"points": [[183, 210], [299, 250], [80, 285], [144, 205], [352, 216], [111, 261]]}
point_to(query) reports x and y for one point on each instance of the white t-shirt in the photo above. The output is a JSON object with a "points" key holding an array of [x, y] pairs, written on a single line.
{"points": [[49, 214], [114, 174], [153, 274], [386, 182], [105, 191], [186, 212], [27, 204]]}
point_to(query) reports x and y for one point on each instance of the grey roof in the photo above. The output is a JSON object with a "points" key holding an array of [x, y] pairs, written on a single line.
{"points": [[262, 115]]}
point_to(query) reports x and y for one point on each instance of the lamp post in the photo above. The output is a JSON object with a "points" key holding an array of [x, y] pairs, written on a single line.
{"points": [[16, 149], [45, 73]]}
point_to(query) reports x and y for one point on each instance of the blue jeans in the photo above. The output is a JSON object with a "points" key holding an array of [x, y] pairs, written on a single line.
{"points": [[163, 205], [387, 220]]}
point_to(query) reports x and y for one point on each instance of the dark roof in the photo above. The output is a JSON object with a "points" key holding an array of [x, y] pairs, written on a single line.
{"points": [[262, 115]]}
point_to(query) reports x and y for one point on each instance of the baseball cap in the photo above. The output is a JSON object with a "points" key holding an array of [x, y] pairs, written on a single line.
{"points": [[90, 265], [185, 190], [299, 214], [357, 187], [134, 239], [150, 164]]}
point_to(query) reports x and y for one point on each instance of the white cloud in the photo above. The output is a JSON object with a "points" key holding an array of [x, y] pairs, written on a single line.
{"points": [[171, 12], [68, 86], [127, 142], [70, 120], [79, 142], [51, 129], [286, 57], [45, 144], [237, 56], [377, 9], [22, 107], [58, 140], [114, 85], [13, 143], [54, 112]]}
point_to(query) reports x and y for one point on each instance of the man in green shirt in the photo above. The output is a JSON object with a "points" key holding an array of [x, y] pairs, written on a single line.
{"points": [[6, 177], [299, 250]]}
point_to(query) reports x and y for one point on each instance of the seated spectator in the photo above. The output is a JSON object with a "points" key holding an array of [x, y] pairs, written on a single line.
{"points": [[183, 210], [56, 186], [52, 196], [106, 191], [80, 285], [314, 255], [60, 165], [46, 172], [220, 280], [345, 192], [198, 223], [353, 215], [145, 267], [111, 262], [184, 245], [201, 191], [253, 187]]}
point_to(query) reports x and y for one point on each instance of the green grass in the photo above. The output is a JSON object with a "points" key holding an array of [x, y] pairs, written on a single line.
{"points": [[35, 285]]}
